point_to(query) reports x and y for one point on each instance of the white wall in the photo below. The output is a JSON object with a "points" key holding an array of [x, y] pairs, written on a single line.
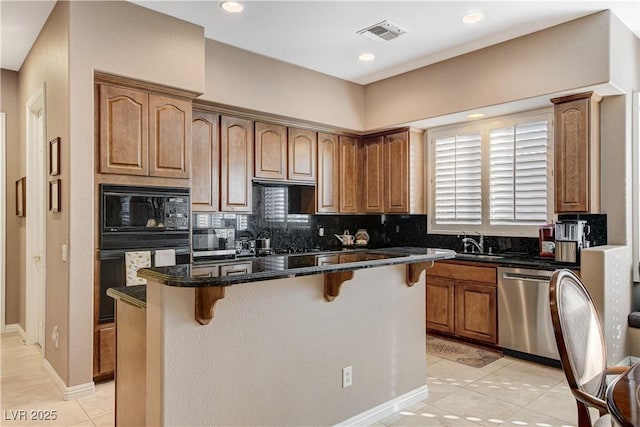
{"points": [[123, 39], [561, 58], [274, 352], [243, 79], [46, 67]]}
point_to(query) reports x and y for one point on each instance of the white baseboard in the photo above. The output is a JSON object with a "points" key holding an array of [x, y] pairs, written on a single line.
{"points": [[374, 415], [68, 393], [15, 327]]}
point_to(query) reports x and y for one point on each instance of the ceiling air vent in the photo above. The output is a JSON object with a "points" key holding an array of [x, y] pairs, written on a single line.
{"points": [[382, 32]]}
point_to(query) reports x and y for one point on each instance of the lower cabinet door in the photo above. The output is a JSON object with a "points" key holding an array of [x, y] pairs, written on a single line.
{"points": [[106, 351], [476, 311], [440, 304]]}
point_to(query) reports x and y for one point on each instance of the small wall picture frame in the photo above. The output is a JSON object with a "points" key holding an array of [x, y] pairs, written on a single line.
{"points": [[54, 156], [21, 196], [54, 195]]}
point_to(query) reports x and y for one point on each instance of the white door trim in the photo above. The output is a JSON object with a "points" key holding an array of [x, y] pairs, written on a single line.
{"points": [[36, 219], [3, 219]]}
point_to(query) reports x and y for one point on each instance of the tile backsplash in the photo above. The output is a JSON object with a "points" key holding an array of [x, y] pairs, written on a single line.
{"points": [[297, 231]]}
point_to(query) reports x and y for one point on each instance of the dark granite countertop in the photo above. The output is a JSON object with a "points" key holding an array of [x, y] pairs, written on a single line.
{"points": [[135, 295], [293, 265], [517, 260]]}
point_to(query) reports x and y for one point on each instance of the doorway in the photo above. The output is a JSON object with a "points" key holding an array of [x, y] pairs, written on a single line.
{"points": [[36, 221]]}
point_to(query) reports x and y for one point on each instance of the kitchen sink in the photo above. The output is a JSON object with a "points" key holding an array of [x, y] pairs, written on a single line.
{"points": [[481, 256]]}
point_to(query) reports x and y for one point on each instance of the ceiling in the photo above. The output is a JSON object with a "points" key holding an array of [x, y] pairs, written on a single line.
{"points": [[321, 35]]}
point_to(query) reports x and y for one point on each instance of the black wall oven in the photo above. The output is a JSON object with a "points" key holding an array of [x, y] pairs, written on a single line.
{"points": [[134, 218]]}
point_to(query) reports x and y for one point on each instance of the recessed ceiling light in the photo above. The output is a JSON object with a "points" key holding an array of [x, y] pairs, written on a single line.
{"points": [[366, 57], [472, 18], [232, 6], [475, 116]]}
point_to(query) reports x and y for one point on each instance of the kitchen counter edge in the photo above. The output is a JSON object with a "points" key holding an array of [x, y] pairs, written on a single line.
{"points": [[134, 295], [525, 261], [176, 276]]}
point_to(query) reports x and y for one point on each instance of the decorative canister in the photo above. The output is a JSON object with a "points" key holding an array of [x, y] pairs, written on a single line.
{"points": [[362, 237]]}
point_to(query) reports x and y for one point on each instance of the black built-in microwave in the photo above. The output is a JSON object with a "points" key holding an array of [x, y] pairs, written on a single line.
{"points": [[132, 217]]}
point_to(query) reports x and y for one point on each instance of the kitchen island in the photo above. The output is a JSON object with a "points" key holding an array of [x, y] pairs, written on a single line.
{"points": [[284, 330]]}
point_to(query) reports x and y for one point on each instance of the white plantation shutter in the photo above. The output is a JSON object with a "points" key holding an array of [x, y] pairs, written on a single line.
{"points": [[518, 174], [493, 176], [458, 183]]}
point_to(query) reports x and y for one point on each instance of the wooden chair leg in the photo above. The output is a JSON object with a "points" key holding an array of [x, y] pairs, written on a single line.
{"points": [[584, 418]]}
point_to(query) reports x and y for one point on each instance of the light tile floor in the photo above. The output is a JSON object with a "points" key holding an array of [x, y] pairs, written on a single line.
{"points": [[507, 392], [27, 391]]}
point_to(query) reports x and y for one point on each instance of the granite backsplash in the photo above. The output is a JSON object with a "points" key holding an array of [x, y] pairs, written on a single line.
{"points": [[300, 231]]}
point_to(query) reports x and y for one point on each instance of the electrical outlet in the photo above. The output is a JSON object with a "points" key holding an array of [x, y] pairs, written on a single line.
{"points": [[321, 231], [347, 378]]}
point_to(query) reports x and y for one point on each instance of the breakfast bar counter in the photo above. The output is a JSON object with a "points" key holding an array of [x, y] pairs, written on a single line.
{"points": [[291, 265], [285, 331]]}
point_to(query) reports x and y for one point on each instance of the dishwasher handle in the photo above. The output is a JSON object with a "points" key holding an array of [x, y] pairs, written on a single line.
{"points": [[526, 277]]}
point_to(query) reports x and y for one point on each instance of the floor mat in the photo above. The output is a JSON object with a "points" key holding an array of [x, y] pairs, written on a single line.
{"points": [[461, 353]]}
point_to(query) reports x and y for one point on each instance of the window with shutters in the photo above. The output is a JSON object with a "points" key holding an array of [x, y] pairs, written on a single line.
{"points": [[494, 177], [458, 173]]}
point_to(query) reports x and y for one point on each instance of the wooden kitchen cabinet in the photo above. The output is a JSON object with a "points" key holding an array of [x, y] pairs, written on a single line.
{"points": [[205, 171], [461, 301], [373, 174], [441, 304], [124, 131], [270, 151], [396, 172], [350, 160], [104, 350], [339, 160], [302, 145], [143, 134], [328, 187], [393, 173], [169, 137], [476, 311], [577, 153], [236, 166]]}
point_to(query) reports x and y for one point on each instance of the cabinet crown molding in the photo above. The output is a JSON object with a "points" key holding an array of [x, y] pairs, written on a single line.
{"points": [[112, 79], [591, 94]]}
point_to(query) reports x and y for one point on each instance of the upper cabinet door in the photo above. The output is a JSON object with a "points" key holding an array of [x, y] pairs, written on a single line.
{"points": [[328, 173], [236, 165], [205, 171], [350, 167], [577, 150], [396, 160], [373, 174], [271, 151], [124, 131], [302, 155], [170, 137]]}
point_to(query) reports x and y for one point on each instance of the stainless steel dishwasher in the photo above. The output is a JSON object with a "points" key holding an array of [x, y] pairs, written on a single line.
{"points": [[524, 319]]}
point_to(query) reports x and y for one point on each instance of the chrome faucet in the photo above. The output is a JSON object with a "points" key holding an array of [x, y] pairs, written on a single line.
{"points": [[470, 241]]}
